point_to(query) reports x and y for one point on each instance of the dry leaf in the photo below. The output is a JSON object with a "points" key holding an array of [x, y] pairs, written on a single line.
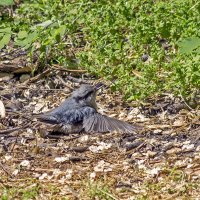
{"points": [[178, 123], [43, 176], [173, 151], [153, 172], [101, 147], [25, 163], [62, 159], [103, 166]]}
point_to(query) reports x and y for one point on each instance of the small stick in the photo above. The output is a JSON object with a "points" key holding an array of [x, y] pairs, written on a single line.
{"points": [[9, 130], [13, 129], [35, 78], [64, 83], [190, 108]]}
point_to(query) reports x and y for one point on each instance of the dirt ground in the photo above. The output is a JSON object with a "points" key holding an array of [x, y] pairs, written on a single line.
{"points": [[162, 161]]}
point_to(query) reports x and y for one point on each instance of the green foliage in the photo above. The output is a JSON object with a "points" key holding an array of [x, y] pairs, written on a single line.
{"points": [[6, 2], [109, 38], [99, 191], [23, 193], [5, 35], [189, 45]]}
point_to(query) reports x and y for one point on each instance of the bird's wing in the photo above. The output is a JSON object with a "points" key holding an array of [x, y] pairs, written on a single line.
{"points": [[101, 123], [71, 116], [48, 118]]}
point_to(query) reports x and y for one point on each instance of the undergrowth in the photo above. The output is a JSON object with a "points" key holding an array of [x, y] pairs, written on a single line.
{"points": [[145, 47]]}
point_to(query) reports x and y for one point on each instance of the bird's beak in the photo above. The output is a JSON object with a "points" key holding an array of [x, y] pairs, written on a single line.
{"points": [[98, 86]]}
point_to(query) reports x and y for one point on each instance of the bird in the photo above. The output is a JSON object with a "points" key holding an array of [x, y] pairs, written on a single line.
{"points": [[78, 113]]}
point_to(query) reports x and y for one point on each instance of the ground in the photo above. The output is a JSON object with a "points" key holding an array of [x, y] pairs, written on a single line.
{"points": [[162, 161]]}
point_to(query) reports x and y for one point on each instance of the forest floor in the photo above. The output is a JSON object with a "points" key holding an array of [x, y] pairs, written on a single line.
{"points": [[160, 162]]}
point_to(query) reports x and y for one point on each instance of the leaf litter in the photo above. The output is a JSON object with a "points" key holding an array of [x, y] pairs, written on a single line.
{"points": [[164, 155]]}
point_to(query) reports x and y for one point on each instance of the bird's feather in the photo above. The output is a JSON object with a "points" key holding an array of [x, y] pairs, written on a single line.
{"points": [[47, 118], [72, 116], [101, 123]]}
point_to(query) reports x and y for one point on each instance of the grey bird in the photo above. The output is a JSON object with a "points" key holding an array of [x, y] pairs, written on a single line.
{"points": [[79, 113]]}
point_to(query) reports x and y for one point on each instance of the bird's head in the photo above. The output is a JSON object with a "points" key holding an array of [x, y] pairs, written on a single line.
{"points": [[86, 95]]}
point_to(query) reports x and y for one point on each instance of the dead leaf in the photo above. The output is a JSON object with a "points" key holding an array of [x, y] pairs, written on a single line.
{"points": [[62, 159], [153, 172], [173, 151], [100, 147], [178, 123], [103, 166], [25, 163]]}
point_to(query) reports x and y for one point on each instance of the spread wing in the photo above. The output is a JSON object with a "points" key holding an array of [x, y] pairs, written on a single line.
{"points": [[101, 123]]}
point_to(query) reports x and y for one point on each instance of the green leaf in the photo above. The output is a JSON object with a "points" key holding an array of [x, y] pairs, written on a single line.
{"points": [[32, 36], [57, 37], [62, 30], [27, 41], [6, 2], [198, 50], [22, 34], [5, 30], [188, 45], [5, 40]]}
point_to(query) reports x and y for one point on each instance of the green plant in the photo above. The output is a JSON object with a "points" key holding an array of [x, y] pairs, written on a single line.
{"points": [[22, 193], [100, 191], [108, 38], [6, 2]]}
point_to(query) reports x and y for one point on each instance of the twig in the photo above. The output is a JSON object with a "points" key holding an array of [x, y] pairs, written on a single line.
{"points": [[25, 87], [35, 78], [13, 129], [79, 149], [186, 102], [68, 70], [137, 148], [64, 83], [136, 73], [9, 130], [24, 115]]}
